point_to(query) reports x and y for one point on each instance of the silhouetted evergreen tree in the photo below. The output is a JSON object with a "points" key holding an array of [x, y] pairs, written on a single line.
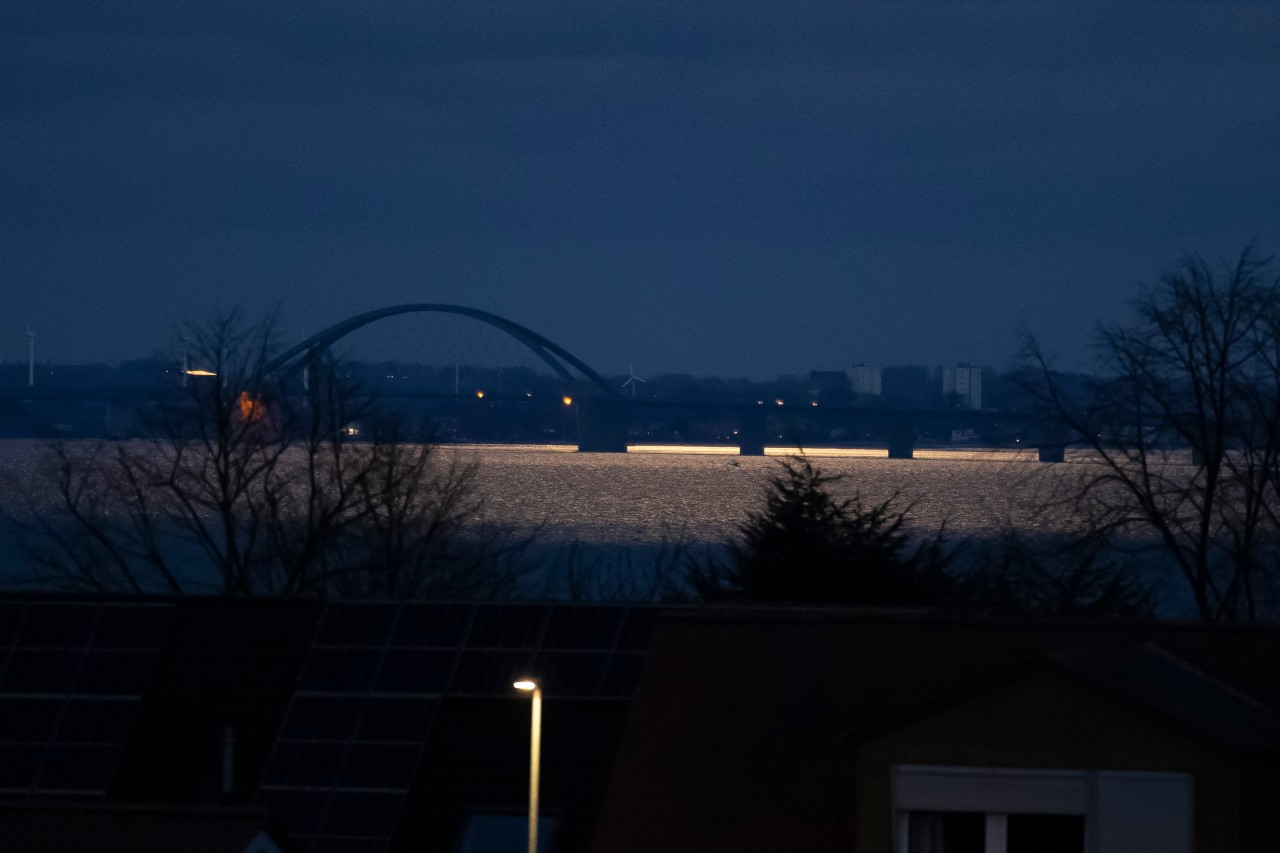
{"points": [[805, 546]]}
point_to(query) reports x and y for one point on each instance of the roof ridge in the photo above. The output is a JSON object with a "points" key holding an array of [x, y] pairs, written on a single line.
{"points": [[1200, 672]]}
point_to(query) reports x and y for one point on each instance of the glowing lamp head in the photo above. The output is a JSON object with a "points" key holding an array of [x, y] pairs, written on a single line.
{"points": [[480, 395], [568, 401], [525, 684]]}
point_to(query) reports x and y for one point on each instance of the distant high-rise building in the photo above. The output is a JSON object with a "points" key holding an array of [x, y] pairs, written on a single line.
{"points": [[866, 380], [965, 382], [829, 386]]}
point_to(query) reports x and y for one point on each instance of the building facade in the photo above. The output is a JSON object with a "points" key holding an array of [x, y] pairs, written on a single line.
{"points": [[965, 382]]}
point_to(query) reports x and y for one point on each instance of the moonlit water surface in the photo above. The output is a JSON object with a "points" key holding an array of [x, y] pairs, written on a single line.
{"points": [[641, 497], [701, 494], [628, 505]]}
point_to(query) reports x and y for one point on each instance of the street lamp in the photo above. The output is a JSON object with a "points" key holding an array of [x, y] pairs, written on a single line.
{"points": [[535, 749]]}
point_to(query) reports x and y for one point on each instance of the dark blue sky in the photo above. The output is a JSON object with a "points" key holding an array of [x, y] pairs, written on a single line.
{"points": [[742, 188]]}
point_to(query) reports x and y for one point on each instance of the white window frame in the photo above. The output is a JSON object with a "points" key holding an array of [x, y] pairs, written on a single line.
{"points": [[998, 792]]}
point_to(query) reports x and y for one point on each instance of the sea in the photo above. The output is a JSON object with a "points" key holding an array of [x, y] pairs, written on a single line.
{"points": [[704, 493], [633, 505]]}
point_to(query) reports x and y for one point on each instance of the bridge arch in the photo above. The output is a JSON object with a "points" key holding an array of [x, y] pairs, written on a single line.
{"points": [[297, 357]]}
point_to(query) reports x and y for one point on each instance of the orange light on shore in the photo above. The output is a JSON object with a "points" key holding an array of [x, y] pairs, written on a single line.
{"points": [[252, 409], [199, 373], [568, 401], [480, 395]]}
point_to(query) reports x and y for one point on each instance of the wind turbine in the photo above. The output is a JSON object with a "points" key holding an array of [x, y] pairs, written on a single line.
{"points": [[632, 379]]}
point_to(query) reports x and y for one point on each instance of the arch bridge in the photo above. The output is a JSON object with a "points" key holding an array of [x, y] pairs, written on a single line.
{"points": [[603, 416], [602, 426]]}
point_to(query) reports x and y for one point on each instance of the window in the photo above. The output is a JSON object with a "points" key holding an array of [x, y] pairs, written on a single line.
{"points": [[1006, 810], [975, 832]]}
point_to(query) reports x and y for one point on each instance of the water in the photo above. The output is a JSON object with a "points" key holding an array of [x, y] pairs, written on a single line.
{"points": [[640, 497], [623, 512], [652, 493]]}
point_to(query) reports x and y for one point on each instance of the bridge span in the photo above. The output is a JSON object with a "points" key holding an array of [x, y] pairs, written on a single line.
{"points": [[606, 425], [605, 419]]}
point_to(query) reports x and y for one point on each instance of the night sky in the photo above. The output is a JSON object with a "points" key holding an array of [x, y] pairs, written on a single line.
{"points": [[747, 188]]}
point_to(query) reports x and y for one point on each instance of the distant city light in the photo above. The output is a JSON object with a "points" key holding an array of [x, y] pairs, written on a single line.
{"points": [[480, 395], [779, 402], [199, 373], [568, 401], [814, 403], [251, 407]]}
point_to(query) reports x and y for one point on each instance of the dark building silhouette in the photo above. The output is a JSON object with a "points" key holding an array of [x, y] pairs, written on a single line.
{"points": [[353, 727], [802, 729], [257, 726]]}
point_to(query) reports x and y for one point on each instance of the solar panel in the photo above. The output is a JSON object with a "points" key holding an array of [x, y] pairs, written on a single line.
{"points": [[354, 734], [433, 625], [416, 670], [347, 670], [356, 624], [576, 674], [582, 628], [621, 677], [489, 672], [139, 628], [58, 625], [72, 677], [506, 626], [346, 755], [398, 719], [637, 629], [114, 673], [318, 718], [10, 621]]}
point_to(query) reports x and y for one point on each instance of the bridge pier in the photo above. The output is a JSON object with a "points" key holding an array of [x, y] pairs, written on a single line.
{"points": [[602, 426], [902, 438], [751, 434], [1052, 453], [1198, 457], [1051, 443]]}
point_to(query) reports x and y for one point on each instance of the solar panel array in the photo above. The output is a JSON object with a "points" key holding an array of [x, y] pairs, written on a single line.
{"points": [[71, 681], [373, 682]]}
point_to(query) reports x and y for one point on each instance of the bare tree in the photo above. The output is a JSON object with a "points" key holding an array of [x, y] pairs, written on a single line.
{"points": [[421, 531], [1197, 370], [657, 572], [244, 489], [1070, 575]]}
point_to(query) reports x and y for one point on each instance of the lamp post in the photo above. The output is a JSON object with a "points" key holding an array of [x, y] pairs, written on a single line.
{"points": [[535, 750]]}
